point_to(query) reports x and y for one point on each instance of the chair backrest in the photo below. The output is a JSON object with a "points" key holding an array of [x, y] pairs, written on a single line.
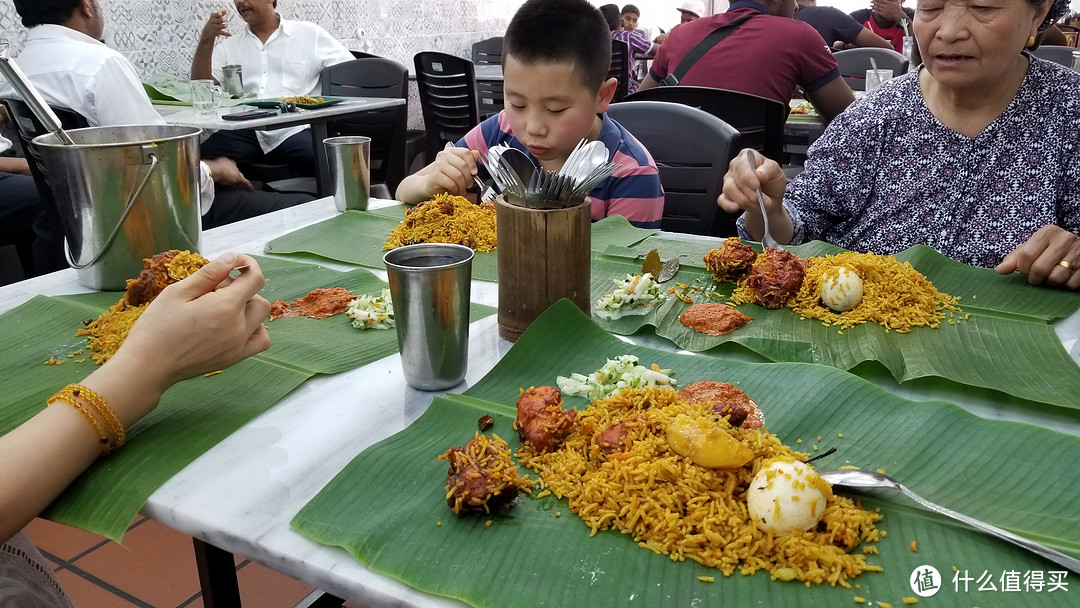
{"points": [[374, 77], [1058, 54], [362, 55], [447, 87], [620, 68], [853, 64], [488, 51], [489, 92], [760, 121], [28, 127], [692, 149]]}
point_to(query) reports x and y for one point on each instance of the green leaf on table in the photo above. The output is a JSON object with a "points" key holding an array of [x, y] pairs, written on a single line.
{"points": [[357, 237], [1007, 316], [194, 415], [388, 508]]}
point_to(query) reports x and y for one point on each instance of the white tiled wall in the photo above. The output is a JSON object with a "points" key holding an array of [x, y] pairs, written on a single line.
{"points": [[159, 36]]}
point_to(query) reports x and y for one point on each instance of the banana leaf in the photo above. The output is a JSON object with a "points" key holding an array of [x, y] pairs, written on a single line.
{"points": [[1007, 316], [357, 237], [195, 414], [388, 509]]}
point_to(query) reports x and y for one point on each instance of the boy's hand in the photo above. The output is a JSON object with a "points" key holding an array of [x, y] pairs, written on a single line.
{"points": [[452, 171]]}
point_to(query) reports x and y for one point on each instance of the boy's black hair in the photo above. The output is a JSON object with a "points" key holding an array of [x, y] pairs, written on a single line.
{"points": [[612, 14], [630, 8], [42, 12], [562, 31]]}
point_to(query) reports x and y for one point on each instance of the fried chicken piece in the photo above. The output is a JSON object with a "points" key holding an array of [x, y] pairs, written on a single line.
{"points": [[731, 260], [613, 438], [541, 421], [728, 400], [482, 477], [775, 277], [157, 274]]}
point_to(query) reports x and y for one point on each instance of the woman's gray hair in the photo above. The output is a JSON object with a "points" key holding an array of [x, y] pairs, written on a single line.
{"points": [[1057, 11]]}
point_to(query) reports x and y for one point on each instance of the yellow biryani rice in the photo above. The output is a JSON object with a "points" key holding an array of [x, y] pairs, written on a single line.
{"points": [[447, 219], [895, 295], [105, 334], [676, 508]]}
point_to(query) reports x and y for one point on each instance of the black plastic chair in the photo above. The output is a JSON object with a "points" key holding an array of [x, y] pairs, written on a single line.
{"points": [[447, 87], [1062, 55], [760, 121], [367, 77], [853, 64], [28, 127], [488, 51], [692, 149], [620, 69]]}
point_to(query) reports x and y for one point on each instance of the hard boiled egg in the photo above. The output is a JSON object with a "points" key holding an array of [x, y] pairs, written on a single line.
{"points": [[787, 496], [841, 288]]}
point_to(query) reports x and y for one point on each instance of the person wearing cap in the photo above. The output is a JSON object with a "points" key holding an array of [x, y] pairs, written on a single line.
{"points": [[888, 19], [839, 29], [973, 153], [690, 10], [768, 55]]}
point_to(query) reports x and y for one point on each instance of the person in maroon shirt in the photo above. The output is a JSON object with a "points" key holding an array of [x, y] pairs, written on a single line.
{"points": [[886, 18], [768, 55]]}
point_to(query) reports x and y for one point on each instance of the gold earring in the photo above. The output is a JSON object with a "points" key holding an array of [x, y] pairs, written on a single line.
{"points": [[1031, 41]]}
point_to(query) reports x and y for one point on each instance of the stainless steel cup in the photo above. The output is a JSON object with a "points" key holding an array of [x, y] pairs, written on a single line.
{"points": [[233, 79], [429, 286], [350, 164]]}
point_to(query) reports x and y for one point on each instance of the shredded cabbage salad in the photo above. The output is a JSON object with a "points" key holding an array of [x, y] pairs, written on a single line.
{"points": [[618, 373], [634, 295], [372, 312]]}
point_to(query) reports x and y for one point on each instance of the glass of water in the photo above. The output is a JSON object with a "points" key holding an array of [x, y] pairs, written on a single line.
{"points": [[205, 97]]}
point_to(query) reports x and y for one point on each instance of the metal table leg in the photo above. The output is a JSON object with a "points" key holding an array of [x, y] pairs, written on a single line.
{"points": [[217, 576]]}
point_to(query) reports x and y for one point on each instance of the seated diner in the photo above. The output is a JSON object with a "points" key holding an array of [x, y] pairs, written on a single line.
{"points": [[980, 167]]}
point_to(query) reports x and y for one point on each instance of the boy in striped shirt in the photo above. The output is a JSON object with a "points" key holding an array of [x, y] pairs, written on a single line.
{"points": [[556, 55]]}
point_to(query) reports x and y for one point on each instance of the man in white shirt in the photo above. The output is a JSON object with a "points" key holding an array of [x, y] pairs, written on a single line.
{"points": [[279, 58], [68, 64]]}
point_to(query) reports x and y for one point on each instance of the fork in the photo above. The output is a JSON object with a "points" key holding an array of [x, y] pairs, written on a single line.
{"points": [[869, 480], [766, 239]]}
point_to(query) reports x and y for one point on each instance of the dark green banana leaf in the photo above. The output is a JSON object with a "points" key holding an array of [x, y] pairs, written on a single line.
{"points": [[1008, 316], [195, 414], [387, 507], [357, 237]]}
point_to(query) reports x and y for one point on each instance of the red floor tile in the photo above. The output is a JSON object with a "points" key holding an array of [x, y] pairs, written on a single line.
{"points": [[261, 586], [86, 594], [155, 565], [61, 540]]}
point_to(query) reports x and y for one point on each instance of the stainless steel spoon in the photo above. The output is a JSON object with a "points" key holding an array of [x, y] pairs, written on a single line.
{"points": [[766, 239], [870, 480]]}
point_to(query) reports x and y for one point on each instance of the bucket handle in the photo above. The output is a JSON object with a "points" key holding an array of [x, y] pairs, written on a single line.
{"points": [[123, 217]]}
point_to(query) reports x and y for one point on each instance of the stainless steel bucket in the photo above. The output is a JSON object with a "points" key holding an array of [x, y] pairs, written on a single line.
{"points": [[124, 193]]}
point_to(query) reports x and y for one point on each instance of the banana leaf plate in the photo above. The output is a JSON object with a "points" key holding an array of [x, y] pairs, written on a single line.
{"points": [[195, 414], [357, 237], [388, 509], [1007, 317]]}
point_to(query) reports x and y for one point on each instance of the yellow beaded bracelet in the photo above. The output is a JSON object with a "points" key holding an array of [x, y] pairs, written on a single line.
{"points": [[102, 437], [95, 400], [85, 400]]}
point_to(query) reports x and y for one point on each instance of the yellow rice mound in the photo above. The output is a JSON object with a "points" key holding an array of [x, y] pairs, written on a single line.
{"points": [[674, 507], [895, 295], [106, 333], [447, 219]]}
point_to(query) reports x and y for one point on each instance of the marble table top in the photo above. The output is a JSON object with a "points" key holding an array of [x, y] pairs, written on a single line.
{"points": [[241, 494]]}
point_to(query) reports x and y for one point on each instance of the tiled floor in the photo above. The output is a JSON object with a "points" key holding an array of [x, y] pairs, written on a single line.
{"points": [[155, 567]]}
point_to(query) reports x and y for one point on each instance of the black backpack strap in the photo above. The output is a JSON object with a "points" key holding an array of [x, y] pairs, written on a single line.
{"points": [[703, 47]]}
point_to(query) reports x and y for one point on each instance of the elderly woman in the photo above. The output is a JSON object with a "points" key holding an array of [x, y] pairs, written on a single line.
{"points": [[976, 153]]}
